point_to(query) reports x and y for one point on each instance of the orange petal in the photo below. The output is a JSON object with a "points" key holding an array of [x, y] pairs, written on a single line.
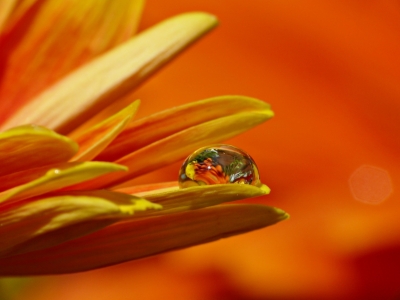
{"points": [[17, 15], [80, 95], [177, 200], [95, 139], [49, 39], [6, 7], [178, 146], [36, 224], [150, 129], [55, 179], [144, 237], [27, 147], [18, 178]]}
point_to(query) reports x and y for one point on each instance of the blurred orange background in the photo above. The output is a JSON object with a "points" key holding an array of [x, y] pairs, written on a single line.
{"points": [[331, 71]]}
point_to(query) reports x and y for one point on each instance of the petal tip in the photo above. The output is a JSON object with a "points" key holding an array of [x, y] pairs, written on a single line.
{"points": [[265, 189], [282, 215], [203, 16]]}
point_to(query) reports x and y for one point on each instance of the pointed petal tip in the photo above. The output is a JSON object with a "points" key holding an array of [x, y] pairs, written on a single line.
{"points": [[267, 215], [282, 214], [201, 16], [257, 216], [265, 189]]}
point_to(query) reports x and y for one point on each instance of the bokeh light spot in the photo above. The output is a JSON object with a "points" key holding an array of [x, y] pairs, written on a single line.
{"points": [[370, 184]]}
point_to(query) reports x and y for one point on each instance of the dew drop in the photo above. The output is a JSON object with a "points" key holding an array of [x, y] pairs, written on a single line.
{"points": [[218, 164]]}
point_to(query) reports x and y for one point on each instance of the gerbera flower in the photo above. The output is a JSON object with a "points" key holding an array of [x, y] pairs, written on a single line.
{"points": [[66, 203], [333, 72]]}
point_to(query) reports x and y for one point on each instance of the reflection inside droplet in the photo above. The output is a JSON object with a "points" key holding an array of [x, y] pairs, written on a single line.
{"points": [[218, 164]]}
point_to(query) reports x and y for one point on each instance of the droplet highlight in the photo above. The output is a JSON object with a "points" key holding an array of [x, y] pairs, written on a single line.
{"points": [[218, 164]]}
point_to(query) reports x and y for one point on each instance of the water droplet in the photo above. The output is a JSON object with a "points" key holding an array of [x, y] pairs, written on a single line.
{"points": [[218, 164]]}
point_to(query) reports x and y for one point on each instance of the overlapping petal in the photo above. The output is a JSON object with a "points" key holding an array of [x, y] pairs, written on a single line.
{"points": [[19, 178], [53, 220], [177, 146], [58, 178], [170, 142], [148, 130], [28, 147], [71, 101], [6, 7], [96, 138], [140, 238], [175, 199], [28, 227], [43, 41]]}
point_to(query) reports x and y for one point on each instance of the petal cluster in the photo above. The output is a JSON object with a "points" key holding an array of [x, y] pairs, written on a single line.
{"points": [[65, 204]]}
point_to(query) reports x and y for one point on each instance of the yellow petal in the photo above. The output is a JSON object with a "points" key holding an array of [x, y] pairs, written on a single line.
{"points": [[95, 139], [144, 237], [150, 129], [178, 146], [78, 96], [48, 39], [18, 178], [175, 199], [134, 189], [28, 147], [55, 179], [36, 224]]}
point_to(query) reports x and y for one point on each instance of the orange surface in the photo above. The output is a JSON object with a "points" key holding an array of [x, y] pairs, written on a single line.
{"points": [[331, 71]]}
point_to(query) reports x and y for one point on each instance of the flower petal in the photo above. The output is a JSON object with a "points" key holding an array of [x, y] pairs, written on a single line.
{"points": [[178, 146], [35, 50], [175, 199], [18, 11], [6, 7], [55, 179], [140, 238], [150, 129], [28, 147], [95, 139], [29, 226], [18, 178], [134, 189], [64, 106]]}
